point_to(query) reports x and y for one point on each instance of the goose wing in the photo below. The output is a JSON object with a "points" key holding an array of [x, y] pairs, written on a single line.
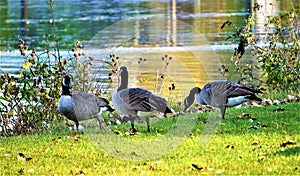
{"points": [[85, 103], [138, 99], [230, 89]]}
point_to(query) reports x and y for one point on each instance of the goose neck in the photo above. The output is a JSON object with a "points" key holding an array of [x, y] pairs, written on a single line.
{"points": [[123, 82]]}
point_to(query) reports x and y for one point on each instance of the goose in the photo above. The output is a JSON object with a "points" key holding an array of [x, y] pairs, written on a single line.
{"points": [[221, 94], [81, 106], [130, 101]]}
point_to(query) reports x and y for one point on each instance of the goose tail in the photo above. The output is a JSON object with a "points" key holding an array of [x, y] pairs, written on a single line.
{"points": [[253, 97], [167, 111]]}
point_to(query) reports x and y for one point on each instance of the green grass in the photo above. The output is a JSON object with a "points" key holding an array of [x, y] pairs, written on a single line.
{"points": [[237, 146]]}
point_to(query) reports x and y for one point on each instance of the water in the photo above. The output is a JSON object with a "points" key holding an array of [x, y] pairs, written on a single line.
{"points": [[188, 30]]}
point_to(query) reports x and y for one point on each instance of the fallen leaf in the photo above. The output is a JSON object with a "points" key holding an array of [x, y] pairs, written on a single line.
{"points": [[28, 159], [262, 158], [221, 171], [31, 170], [117, 132], [289, 142], [229, 146], [197, 167], [134, 153], [21, 157], [255, 143], [81, 173], [278, 109], [210, 169], [253, 127], [136, 168], [244, 115], [156, 162], [21, 171]]}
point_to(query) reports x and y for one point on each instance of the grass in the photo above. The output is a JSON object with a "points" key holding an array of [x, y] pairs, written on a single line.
{"points": [[268, 143]]}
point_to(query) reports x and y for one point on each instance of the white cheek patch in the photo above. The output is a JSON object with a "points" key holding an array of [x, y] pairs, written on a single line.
{"points": [[103, 109], [236, 101]]}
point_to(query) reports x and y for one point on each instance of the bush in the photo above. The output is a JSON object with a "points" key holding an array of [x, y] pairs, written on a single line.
{"points": [[276, 53]]}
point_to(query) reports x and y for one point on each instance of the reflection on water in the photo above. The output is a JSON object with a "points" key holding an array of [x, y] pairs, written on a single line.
{"points": [[82, 20]]}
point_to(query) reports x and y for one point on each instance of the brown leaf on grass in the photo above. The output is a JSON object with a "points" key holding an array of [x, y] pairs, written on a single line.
{"points": [[253, 127], [21, 171], [198, 168], [266, 102], [255, 143], [153, 165], [289, 142], [134, 153], [73, 135], [278, 109], [81, 173], [117, 132], [58, 139], [22, 157], [28, 159], [191, 135], [244, 115], [230, 147], [262, 158]]}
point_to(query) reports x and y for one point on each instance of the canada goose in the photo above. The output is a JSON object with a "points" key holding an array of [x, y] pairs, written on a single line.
{"points": [[81, 106], [129, 101], [221, 94]]}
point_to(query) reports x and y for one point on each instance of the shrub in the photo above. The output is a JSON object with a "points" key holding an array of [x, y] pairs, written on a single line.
{"points": [[276, 53]]}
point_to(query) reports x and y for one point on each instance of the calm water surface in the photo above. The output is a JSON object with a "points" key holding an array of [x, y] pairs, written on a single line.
{"points": [[188, 30]]}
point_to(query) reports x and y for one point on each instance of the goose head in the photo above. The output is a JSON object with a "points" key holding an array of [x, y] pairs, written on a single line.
{"points": [[66, 85], [189, 100], [123, 78]]}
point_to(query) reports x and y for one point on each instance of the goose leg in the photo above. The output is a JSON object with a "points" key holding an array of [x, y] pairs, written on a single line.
{"points": [[223, 110], [100, 122], [77, 124], [148, 124], [132, 124]]}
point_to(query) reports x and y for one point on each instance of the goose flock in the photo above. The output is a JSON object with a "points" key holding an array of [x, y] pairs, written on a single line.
{"points": [[79, 106]]}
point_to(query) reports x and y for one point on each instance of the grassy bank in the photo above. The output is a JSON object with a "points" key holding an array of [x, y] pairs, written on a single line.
{"points": [[263, 140]]}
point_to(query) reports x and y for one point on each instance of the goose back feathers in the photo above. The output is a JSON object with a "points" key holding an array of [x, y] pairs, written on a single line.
{"points": [[129, 101], [221, 94]]}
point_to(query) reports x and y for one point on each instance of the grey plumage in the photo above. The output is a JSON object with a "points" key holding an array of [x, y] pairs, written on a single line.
{"points": [[81, 106], [128, 101], [221, 94]]}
